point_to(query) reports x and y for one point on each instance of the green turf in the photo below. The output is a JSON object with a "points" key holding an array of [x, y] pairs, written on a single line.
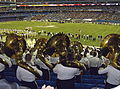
{"points": [[79, 28]]}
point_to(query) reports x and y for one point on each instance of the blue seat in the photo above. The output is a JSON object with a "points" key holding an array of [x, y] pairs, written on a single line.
{"points": [[100, 81], [93, 81], [101, 85], [53, 74], [93, 76], [88, 86], [11, 79], [13, 74], [78, 86], [51, 83], [88, 81], [9, 70], [53, 78], [40, 82], [84, 86]]}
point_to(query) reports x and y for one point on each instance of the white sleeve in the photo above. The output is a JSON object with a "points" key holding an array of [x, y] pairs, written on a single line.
{"points": [[2, 67], [103, 71], [18, 74], [78, 72], [8, 60], [99, 62], [40, 72], [82, 60], [55, 69]]}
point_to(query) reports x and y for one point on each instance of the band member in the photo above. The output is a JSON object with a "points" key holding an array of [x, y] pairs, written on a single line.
{"points": [[41, 57], [14, 48], [27, 78], [42, 66], [111, 50], [65, 74]]}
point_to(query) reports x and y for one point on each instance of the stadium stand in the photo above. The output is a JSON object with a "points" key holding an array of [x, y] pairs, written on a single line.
{"points": [[10, 11], [95, 12]]}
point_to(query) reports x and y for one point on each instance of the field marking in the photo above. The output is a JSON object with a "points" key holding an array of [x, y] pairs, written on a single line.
{"points": [[47, 26]]}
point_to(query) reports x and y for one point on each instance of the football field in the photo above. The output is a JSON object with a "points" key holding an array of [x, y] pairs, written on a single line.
{"points": [[75, 28]]}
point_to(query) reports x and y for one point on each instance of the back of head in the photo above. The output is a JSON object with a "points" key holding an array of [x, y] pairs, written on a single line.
{"points": [[28, 57], [93, 53]]}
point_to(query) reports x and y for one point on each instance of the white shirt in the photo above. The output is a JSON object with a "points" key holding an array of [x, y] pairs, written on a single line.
{"points": [[104, 60], [7, 59], [40, 64], [24, 75], [94, 62], [65, 73], [4, 84], [85, 61], [2, 67], [113, 74]]}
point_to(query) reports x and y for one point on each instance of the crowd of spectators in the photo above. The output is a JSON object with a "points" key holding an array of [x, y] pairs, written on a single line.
{"points": [[5, 9], [65, 12], [81, 15], [48, 0], [72, 8], [82, 12]]}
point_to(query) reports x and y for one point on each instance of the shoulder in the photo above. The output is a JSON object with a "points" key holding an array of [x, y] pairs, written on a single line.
{"points": [[20, 68], [58, 65]]}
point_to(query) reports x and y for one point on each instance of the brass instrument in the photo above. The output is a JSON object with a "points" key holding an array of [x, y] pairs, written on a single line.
{"points": [[77, 47], [111, 45], [41, 47], [40, 44], [74, 64], [14, 48], [61, 43]]}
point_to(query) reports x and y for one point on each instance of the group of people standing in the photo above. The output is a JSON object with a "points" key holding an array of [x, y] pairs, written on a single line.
{"points": [[34, 64]]}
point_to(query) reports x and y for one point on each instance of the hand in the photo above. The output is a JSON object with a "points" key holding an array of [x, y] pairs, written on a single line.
{"points": [[48, 87]]}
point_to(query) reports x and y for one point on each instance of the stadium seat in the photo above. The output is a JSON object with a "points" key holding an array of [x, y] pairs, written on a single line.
{"points": [[84, 86], [13, 74], [93, 76], [93, 81], [40, 82], [51, 83], [53, 78], [101, 85], [53, 74], [9, 70], [78, 86], [12, 79]]}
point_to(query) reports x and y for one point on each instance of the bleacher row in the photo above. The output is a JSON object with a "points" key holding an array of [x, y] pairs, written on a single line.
{"points": [[84, 81]]}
